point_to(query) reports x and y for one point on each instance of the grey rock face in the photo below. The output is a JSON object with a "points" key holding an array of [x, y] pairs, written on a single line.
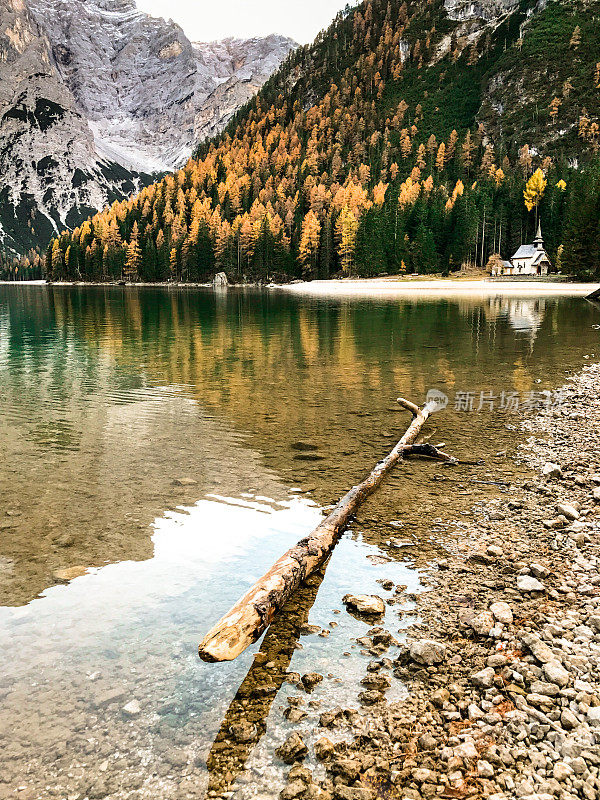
{"points": [[486, 10], [148, 92], [48, 163]]}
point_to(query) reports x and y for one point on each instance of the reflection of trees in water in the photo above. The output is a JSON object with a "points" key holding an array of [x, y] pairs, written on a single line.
{"points": [[246, 719], [253, 342], [282, 369]]}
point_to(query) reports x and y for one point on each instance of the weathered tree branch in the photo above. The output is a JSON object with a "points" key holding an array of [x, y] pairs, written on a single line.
{"points": [[251, 615]]}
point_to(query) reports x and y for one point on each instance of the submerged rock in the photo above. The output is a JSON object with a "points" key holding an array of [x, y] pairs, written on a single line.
{"points": [[364, 604], [132, 709], [310, 680], [293, 749]]}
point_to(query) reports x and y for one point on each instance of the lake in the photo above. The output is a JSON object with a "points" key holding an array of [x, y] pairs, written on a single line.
{"points": [[165, 446]]}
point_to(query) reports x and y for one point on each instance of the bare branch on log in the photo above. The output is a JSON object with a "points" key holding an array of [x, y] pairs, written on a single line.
{"points": [[414, 409], [429, 451], [252, 615]]}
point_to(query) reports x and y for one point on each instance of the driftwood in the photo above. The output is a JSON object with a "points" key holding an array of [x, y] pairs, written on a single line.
{"points": [[252, 615]]}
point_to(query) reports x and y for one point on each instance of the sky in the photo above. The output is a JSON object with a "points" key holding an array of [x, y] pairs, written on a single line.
{"points": [[205, 20]]}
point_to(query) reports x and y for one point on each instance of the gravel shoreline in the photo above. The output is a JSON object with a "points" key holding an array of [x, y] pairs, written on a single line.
{"points": [[503, 667]]}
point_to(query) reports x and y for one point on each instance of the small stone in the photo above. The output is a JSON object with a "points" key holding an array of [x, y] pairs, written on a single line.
{"points": [[371, 697], [293, 749], [484, 678], [485, 769], [244, 731], [427, 652], [354, 793], [539, 570], [348, 768], [551, 470], [568, 720], [422, 775], [561, 771], [556, 673], [466, 751], [475, 712], [427, 742], [540, 650], [568, 511], [132, 709], [324, 748], [526, 583], [292, 790], [502, 612], [596, 494], [544, 688], [310, 680], [483, 623], [329, 718], [69, 574], [593, 716], [494, 550], [308, 629], [440, 697], [364, 604], [185, 482], [294, 715]]}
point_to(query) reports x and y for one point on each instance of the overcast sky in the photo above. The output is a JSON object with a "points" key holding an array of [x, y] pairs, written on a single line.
{"points": [[205, 20]]}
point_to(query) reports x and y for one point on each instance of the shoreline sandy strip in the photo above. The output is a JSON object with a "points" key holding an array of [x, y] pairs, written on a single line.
{"points": [[445, 287], [377, 287]]}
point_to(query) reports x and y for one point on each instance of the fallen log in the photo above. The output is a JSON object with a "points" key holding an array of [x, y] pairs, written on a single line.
{"points": [[252, 615]]}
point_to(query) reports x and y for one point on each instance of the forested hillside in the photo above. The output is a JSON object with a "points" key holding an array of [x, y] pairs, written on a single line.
{"points": [[402, 140]]}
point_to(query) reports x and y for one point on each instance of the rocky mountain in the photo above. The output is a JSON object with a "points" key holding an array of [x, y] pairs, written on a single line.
{"points": [[142, 84], [95, 96], [485, 10]]}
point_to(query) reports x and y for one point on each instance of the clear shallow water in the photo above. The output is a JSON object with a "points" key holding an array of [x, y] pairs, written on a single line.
{"points": [[155, 437]]}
